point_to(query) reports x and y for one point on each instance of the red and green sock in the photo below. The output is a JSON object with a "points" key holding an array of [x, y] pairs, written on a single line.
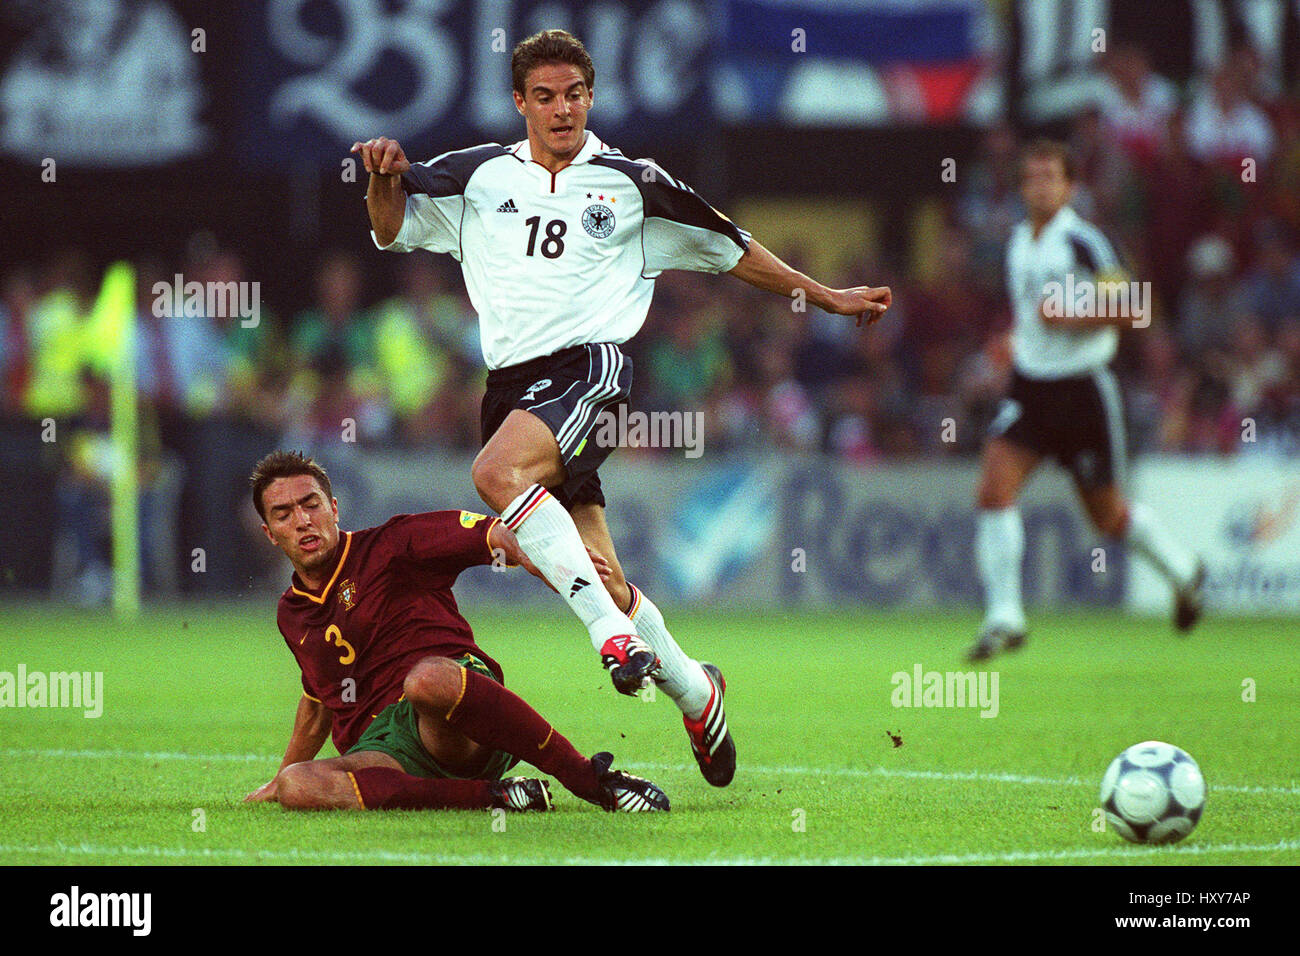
{"points": [[386, 788]]}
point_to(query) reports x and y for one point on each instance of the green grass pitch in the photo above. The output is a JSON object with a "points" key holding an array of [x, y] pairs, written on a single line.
{"points": [[198, 702]]}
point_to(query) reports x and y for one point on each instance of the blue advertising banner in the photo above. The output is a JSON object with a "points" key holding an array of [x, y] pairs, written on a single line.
{"points": [[868, 30]]}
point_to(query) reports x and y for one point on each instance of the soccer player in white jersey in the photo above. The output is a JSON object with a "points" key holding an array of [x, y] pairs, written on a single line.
{"points": [[560, 237], [1063, 404]]}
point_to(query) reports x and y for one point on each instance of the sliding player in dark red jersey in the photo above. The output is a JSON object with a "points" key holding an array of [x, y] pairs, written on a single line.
{"points": [[390, 668]]}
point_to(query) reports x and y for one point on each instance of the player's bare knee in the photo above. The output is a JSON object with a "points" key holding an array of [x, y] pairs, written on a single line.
{"points": [[433, 682], [498, 482], [295, 787]]}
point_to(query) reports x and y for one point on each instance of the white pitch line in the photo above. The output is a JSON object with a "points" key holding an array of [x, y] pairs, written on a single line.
{"points": [[434, 859], [959, 775], [977, 776], [138, 755]]}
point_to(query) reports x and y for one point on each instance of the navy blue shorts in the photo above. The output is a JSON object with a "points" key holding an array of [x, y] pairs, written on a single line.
{"points": [[568, 390]]}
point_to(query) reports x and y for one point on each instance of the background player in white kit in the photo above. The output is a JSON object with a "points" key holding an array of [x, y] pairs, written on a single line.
{"points": [[1064, 404], [560, 237]]}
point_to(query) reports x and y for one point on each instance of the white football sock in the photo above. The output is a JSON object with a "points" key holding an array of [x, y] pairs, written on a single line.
{"points": [[999, 552], [681, 678], [1176, 564], [549, 537]]}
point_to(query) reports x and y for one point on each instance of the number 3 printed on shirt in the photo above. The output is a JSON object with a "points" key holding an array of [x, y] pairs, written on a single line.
{"points": [[335, 636]]}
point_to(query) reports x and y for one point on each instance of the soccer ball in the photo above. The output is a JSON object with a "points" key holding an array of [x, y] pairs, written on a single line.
{"points": [[1153, 793]]}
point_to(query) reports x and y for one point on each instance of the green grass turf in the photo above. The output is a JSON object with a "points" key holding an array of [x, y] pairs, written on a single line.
{"points": [[199, 701]]}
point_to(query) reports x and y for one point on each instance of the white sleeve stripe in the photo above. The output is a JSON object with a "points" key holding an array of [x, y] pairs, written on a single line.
{"points": [[1102, 249]]}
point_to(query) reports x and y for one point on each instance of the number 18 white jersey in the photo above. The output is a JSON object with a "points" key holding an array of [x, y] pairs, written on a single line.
{"points": [[553, 260]]}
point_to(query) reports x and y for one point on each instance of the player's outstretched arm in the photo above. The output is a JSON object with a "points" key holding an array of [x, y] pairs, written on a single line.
{"points": [[311, 728], [763, 270], [385, 200]]}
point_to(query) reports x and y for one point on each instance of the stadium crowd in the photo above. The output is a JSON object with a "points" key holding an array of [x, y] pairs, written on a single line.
{"points": [[1200, 186]]}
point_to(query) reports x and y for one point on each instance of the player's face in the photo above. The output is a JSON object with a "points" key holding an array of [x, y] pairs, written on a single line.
{"points": [[1044, 186], [301, 521], [554, 105]]}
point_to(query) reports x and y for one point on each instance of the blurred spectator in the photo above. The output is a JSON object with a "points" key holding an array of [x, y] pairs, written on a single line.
{"points": [[56, 337], [180, 362], [851, 415], [1224, 126], [1157, 395], [1178, 207], [955, 308], [1109, 190], [256, 357], [1281, 406], [336, 325], [789, 415], [1272, 287], [17, 297], [411, 364], [1283, 201], [1136, 103], [337, 388], [1212, 300], [1256, 366], [689, 362], [991, 205]]}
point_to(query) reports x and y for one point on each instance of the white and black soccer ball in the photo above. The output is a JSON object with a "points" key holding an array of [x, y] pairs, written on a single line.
{"points": [[1153, 793]]}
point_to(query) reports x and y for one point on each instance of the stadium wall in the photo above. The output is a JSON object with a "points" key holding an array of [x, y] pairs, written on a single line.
{"points": [[755, 531], [1242, 516], [778, 530]]}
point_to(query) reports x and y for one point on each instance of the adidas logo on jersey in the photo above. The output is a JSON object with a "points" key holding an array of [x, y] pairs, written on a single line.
{"points": [[508, 206]]}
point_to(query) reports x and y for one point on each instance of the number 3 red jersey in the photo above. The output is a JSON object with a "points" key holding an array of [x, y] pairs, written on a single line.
{"points": [[386, 605]]}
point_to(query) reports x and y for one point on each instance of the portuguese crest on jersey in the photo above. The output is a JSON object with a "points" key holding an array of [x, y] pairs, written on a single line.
{"points": [[598, 220], [348, 594]]}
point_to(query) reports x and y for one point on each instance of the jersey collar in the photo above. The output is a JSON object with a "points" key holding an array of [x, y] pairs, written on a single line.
{"points": [[295, 581], [591, 147], [1064, 218]]}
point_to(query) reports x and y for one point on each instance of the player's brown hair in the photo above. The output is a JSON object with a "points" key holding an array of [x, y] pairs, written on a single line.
{"points": [[285, 464], [1043, 148], [549, 46]]}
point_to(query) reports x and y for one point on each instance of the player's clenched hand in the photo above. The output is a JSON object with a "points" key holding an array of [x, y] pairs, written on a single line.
{"points": [[266, 793], [864, 301], [382, 156]]}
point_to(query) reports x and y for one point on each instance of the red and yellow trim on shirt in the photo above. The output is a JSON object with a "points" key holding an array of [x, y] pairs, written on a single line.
{"points": [[470, 518], [324, 594]]}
